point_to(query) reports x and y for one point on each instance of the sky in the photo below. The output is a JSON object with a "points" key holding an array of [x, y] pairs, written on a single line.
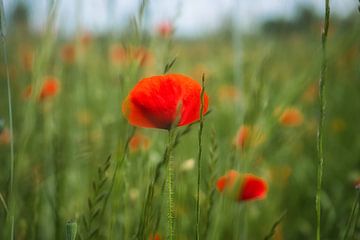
{"points": [[190, 17]]}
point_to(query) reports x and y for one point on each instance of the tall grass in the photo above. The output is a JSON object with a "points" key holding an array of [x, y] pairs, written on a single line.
{"points": [[322, 107], [143, 192], [201, 126], [9, 213]]}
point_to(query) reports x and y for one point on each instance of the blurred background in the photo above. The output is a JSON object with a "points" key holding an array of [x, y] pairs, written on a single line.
{"points": [[70, 65], [191, 18]]}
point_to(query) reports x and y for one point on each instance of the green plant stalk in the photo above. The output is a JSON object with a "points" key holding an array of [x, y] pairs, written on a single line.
{"points": [[275, 225], [145, 216], [12, 158], [201, 126], [214, 155], [146, 212], [117, 166], [170, 185], [71, 230], [321, 119], [352, 219]]}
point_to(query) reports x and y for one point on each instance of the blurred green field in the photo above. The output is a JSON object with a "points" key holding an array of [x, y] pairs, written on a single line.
{"points": [[62, 142]]}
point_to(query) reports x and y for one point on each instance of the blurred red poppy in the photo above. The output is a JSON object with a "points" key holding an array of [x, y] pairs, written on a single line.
{"points": [[165, 29], [242, 187], [5, 137], [242, 137], [49, 88], [68, 53], [139, 142], [86, 39], [291, 117], [155, 237], [154, 102], [117, 54], [143, 56]]}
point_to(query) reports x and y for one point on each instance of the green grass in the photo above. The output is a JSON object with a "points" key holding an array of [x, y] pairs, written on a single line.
{"points": [[61, 144]]}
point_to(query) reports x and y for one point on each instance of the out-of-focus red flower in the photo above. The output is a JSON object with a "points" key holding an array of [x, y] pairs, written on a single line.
{"points": [[159, 101], [68, 53], [228, 93], [49, 89], [242, 137], [248, 136], [165, 29], [117, 54], [310, 93], [143, 56], [5, 137], [86, 39], [291, 117], [156, 236], [27, 59], [242, 187], [227, 180], [139, 142]]}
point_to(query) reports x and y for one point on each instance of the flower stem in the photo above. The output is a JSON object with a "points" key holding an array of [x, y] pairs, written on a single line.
{"points": [[322, 118], [351, 224], [170, 182], [11, 200], [199, 158]]}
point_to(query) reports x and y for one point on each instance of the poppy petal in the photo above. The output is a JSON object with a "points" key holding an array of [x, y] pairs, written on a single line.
{"points": [[253, 187], [155, 101]]}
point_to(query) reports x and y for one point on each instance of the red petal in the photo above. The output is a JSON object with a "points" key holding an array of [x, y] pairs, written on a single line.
{"points": [[50, 88], [221, 183], [227, 181], [253, 188], [154, 101]]}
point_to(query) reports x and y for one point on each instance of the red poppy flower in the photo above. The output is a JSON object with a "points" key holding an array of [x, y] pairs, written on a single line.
{"points": [[5, 137], [68, 53], [139, 142], [143, 56], [242, 187], [165, 29], [154, 102], [49, 89], [155, 237], [242, 137], [117, 54], [291, 117]]}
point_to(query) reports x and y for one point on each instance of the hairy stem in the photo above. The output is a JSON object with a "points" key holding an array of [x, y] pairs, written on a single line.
{"points": [[12, 158], [321, 119], [201, 126], [170, 184]]}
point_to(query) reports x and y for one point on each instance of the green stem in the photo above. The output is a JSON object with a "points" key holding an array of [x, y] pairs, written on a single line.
{"points": [[117, 167], [321, 119], [170, 182], [147, 208], [199, 159], [354, 209], [12, 158], [71, 230]]}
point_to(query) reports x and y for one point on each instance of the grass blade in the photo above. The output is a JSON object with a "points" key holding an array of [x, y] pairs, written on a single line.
{"points": [[201, 126], [321, 119]]}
